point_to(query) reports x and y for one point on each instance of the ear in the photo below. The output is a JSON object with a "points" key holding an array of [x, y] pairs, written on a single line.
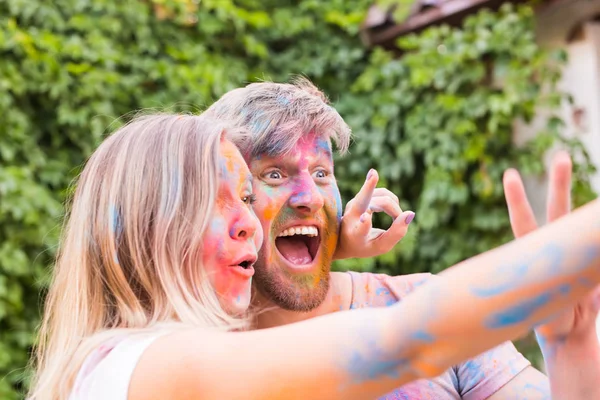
{"points": [[223, 136]]}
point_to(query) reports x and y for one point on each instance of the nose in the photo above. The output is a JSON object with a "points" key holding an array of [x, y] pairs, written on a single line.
{"points": [[246, 225], [307, 199]]}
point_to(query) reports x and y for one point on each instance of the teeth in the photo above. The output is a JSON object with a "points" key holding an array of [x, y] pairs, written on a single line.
{"points": [[300, 230]]}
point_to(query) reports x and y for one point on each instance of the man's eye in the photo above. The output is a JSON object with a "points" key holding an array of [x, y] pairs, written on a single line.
{"points": [[320, 174], [274, 175]]}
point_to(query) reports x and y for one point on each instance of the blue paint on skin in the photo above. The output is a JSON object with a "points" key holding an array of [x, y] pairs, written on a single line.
{"points": [[565, 288], [373, 365], [382, 292], [519, 313], [223, 172], [300, 197], [583, 281], [423, 336], [524, 310], [590, 253], [338, 204], [218, 227], [363, 369], [323, 146], [513, 275]]}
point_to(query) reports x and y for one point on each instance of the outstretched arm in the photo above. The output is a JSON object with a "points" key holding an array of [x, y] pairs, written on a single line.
{"points": [[484, 301]]}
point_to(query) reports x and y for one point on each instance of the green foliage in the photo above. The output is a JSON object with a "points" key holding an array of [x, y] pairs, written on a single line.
{"points": [[70, 68], [436, 123]]}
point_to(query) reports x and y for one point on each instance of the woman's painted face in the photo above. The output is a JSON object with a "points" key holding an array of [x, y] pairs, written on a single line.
{"points": [[234, 235]]}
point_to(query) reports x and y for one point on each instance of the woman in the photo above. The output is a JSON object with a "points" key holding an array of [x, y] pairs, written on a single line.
{"points": [[154, 276]]}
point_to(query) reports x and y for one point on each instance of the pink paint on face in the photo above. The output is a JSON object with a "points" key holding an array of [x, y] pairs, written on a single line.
{"points": [[298, 204], [234, 234]]}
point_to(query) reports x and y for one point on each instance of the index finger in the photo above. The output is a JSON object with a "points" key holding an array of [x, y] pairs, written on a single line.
{"points": [[365, 194], [522, 218]]}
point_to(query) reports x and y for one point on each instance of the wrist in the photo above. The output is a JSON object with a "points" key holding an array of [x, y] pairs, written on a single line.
{"points": [[573, 365], [570, 349]]}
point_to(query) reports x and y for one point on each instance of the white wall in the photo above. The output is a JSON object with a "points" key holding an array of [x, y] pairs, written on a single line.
{"points": [[581, 78]]}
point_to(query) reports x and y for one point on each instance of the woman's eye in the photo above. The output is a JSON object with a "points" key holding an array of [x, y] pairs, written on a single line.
{"points": [[274, 175], [249, 199]]}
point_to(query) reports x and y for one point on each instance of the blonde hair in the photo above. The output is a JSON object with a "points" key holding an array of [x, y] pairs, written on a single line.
{"points": [[130, 256], [278, 115]]}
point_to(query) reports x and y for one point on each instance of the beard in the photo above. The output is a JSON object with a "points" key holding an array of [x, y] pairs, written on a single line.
{"points": [[300, 293]]}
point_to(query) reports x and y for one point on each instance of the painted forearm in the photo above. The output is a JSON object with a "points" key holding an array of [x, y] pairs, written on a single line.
{"points": [[502, 294]]}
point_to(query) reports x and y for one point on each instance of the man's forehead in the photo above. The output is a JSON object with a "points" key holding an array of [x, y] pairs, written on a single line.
{"points": [[314, 143], [307, 145]]}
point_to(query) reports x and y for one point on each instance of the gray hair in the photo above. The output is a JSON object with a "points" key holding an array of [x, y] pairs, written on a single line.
{"points": [[278, 115]]}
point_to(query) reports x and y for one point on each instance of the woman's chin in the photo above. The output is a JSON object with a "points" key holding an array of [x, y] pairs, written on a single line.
{"points": [[236, 305]]}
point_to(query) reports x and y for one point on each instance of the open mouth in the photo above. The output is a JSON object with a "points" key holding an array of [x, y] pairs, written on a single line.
{"points": [[299, 245], [246, 262]]}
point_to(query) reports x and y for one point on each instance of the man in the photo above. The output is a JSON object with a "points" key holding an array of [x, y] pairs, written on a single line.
{"points": [[298, 203]]}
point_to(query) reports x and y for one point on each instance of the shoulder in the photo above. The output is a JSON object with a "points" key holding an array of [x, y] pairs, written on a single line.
{"points": [[107, 370], [377, 290]]}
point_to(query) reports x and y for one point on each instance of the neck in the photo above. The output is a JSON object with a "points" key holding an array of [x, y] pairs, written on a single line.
{"points": [[269, 315]]}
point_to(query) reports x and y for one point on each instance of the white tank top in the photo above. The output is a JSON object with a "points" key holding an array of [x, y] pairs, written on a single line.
{"points": [[106, 372]]}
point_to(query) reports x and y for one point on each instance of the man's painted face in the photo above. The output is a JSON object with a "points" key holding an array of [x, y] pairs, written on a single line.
{"points": [[234, 234], [299, 207]]}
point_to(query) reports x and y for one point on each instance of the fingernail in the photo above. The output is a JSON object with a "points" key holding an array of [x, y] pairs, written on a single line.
{"points": [[374, 209], [409, 218], [364, 217], [370, 174]]}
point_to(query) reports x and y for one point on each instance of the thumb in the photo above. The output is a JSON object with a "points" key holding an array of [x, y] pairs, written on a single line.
{"points": [[396, 232]]}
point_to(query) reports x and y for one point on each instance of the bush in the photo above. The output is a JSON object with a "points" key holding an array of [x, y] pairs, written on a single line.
{"points": [[71, 68]]}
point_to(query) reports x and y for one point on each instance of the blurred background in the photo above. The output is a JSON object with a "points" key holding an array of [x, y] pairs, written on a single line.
{"points": [[442, 96]]}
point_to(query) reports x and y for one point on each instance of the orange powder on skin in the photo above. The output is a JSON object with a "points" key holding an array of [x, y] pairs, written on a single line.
{"points": [[269, 212], [330, 244]]}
